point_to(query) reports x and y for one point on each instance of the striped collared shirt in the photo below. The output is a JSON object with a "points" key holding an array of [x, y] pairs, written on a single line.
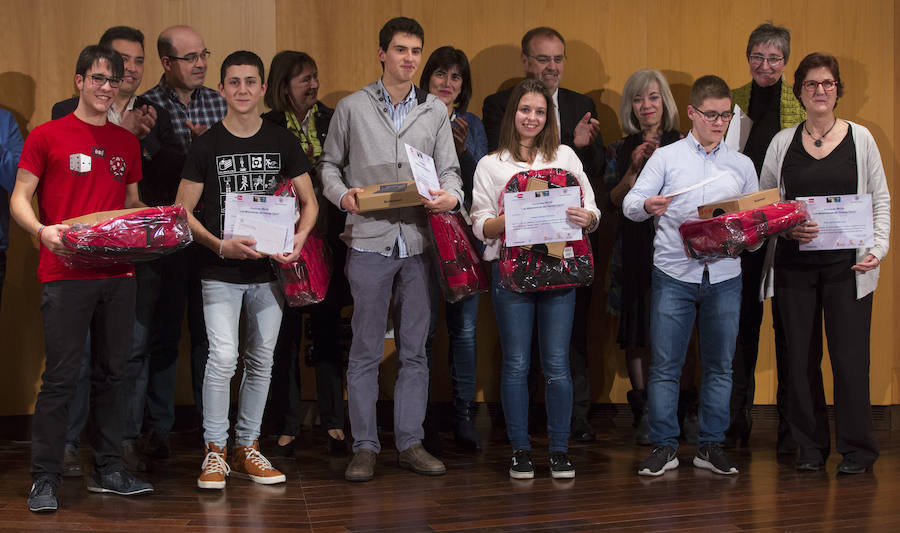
{"points": [[399, 111], [205, 108]]}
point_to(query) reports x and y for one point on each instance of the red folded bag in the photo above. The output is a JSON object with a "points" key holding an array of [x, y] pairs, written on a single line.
{"points": [[729, 234], [533, 269], [305, 281], [461, 272], [131, 238]]}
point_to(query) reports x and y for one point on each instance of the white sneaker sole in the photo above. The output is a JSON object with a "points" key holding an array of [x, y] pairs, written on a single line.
{"points": [[521, 475], [211, 484], [568, 474], [270, 480], [706, 465], [100, 490], [671, 465]]}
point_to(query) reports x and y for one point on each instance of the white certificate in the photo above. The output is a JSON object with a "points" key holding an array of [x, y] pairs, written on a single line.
{"points": [[738, 129], [269, 220], [844, 221], [537, 217], [423, 171]]}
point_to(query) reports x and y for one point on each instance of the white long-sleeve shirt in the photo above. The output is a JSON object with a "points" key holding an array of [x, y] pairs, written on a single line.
{"points": [[494, 172]]}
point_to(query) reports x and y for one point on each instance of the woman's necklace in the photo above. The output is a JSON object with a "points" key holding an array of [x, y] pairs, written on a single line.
{"points": [[818, 142]]}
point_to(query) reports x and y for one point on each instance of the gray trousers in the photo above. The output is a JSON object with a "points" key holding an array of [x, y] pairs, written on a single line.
{"points": [[373, 277]]}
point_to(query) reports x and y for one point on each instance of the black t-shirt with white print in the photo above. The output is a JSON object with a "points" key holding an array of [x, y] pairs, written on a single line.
{"points": [[225, 163]]}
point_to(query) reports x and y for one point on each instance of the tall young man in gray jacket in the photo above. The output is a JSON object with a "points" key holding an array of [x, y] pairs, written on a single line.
{"points": [[365, 146]]}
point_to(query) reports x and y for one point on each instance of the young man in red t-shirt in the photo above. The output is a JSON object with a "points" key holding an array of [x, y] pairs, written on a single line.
{"points": [[77, 165]]}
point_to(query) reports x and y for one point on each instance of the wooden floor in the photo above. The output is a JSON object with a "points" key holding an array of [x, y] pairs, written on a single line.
{"points": [[477, 495]]}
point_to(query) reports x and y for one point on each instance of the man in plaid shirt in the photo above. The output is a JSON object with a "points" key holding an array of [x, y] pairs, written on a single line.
{"points": [[193, 108]]}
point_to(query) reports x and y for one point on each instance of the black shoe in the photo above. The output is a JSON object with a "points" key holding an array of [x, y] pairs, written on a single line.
{"points": [[285, 450], [336, 447], [133, 460], [520, 466], [661, 459], [156, 446], [849, 466], [560, 466], [809, 466], [712, 457], [464, 426], [42, 498], [738, 433], [71, 464], [119, 482], [582, 431]]}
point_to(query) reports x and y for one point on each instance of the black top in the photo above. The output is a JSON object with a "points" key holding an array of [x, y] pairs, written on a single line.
{"points": [[765, 112], [804, 175], [225, 163]]}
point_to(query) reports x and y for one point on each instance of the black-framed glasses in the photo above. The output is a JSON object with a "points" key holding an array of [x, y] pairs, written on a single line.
{"points": [[813, 85], [711, 116], [545, 60], [99, 80], [192, 58], [773, 61]]}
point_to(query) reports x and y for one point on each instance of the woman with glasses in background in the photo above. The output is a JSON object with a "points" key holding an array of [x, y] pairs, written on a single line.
{"points": [[826, 156]]}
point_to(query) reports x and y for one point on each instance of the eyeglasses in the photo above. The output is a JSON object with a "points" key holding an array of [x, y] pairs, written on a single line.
{"points": [[99, 80], [813, 85], [545, 60], [193, 57], [711, 116], [773, 61]]}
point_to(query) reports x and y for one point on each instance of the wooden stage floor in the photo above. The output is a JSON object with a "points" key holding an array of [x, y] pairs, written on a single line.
{"points": [[477, 495]]}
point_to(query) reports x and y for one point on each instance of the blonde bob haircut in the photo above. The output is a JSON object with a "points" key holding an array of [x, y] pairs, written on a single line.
{"points": [[638, 83]]}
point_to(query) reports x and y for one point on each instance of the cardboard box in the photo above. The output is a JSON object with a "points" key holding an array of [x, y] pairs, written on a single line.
{"points": [[388, 196], [744, 202], [100, 216]]}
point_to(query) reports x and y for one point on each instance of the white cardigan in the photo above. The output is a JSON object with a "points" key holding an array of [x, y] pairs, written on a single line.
{"points": [[495, 170], [870, 180]]}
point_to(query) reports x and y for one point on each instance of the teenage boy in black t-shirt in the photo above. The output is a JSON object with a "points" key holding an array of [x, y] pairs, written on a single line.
{"points": [[242, 153]]}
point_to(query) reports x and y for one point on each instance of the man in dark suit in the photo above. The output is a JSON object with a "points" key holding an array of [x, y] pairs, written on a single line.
{"points": [[161, 160], [544, 58]]}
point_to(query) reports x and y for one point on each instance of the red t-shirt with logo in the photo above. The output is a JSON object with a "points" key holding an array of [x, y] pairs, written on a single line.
{"points": [[82, 169]]}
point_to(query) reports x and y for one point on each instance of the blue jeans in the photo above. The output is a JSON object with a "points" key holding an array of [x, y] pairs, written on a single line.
{"points": [[462, 321], [515, 314], [674, 305], [222, 303]]}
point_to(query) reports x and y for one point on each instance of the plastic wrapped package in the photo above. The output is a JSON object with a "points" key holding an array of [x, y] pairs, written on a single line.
{"points": [[729, 234], [130, 238], [454, 244], [304, 281], [529, 269]]}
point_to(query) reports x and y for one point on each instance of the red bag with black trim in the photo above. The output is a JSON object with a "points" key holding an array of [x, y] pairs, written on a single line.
{"points": [[533, 269], [460, 265], [135, 237], [305, 281], [730, 234]]}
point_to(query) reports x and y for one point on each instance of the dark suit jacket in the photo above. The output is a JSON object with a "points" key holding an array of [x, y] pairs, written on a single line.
{"points": [[572, 106], [162, 160]]}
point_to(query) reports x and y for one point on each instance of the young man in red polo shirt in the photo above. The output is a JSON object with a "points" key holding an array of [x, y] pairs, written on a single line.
{"points": [[77, 165]]}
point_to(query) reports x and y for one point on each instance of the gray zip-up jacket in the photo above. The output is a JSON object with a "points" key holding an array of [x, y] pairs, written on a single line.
{"points": [[363, 148]]}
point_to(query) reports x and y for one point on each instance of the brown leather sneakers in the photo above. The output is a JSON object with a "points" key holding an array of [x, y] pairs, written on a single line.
{"points": [[361, 467], [418, 460]]}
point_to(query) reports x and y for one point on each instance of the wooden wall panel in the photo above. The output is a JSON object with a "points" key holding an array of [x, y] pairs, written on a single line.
{"points": [[607, 40]]}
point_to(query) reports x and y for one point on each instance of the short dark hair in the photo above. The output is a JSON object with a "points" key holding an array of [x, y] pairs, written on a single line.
{"points": [[164, 46], [816, 60], [126, 33], [540, 31], [547, 141], [242, 57], [284, 67], [445, 58], [93, 53], [708, 87], [399, 25], [768, 33]]}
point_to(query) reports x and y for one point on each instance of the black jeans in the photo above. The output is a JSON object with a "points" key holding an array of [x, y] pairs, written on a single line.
{"points": [[70, 309]]}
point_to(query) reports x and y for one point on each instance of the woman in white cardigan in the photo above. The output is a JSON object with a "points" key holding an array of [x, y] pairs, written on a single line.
{"points": [[826, 156]]}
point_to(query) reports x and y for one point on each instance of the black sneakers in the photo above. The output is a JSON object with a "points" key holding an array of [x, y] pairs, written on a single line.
{"points": [[560, 466], [42, 498], [661, 459], [712, 457], [119, 482], [520, 466]]}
